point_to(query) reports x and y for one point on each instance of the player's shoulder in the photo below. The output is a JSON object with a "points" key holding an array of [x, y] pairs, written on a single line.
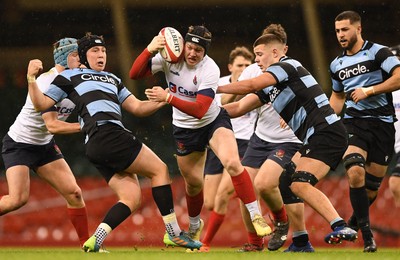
{"points": [[209, 62], [224, 80], [251, 71]]}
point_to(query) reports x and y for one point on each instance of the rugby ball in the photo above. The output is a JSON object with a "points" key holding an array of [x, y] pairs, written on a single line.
{"points": [[173, 49]]}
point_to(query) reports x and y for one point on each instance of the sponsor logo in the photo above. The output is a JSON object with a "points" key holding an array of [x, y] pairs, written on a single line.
{"points": [[274, 92], [172, 87], [175, 39], [181, 90], [101, 78], [196, 40], [353, 71], [64, 110]]}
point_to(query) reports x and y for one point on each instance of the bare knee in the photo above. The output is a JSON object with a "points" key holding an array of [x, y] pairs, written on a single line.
{"points": [[74, 197], [13, 202], [232, 165]]}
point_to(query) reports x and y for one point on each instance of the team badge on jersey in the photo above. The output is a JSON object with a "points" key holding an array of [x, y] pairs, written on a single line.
{"points": [[195, 80]]}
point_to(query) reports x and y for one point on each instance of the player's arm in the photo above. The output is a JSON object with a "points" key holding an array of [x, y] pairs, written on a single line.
{"points": [[243, 106], [39, 100], [389, 85], [248, 86], [336, 101], [141, 108], [228, 98], [196, 109], [56, 126], [141, 67]]}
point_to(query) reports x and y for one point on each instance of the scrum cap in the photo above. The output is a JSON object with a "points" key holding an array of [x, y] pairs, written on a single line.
{"points": [[62, 48], [85, 43], [197, 34]]}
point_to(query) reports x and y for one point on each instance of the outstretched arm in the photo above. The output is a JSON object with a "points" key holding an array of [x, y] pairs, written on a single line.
{"points": [[248, 86], [243, 106], [56, 126], [39, 100], [141, 108]]}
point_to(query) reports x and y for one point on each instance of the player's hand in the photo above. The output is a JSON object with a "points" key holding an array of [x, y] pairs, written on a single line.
{"points": [[156, 44], [157, 94], [362, 93], [34, 67]]}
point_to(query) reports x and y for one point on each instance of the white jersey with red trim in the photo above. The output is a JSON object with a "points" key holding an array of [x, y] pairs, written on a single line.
{"points": [[396, 104], [29, 126], [243, 126], [268, 124], [184, 82]]}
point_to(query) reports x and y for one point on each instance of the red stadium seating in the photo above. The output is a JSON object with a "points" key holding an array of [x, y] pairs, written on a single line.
{"points": [[44, 221]]}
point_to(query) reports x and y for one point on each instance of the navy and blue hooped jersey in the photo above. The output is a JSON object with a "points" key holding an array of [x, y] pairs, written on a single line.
{"points": [[372, 65], [97, 95], [298, 99]]}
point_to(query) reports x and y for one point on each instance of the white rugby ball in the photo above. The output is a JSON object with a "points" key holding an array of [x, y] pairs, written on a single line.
{"points": [[174, 44]]}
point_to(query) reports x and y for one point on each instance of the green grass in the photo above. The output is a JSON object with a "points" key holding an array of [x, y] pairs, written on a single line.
{"points": [[54, 253]]}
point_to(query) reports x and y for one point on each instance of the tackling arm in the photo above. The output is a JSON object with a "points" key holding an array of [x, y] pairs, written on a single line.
{"points": [[141, 108], [56, 126], [243, 106], [248, 86]]}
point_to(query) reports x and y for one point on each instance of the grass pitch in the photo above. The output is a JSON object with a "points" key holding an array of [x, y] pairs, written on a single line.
{"points": [[153, 253]]}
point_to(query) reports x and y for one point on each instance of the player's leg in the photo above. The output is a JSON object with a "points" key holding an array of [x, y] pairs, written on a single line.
{"points": [[255, 243], [18, 181], [212, 177], [59, 175], [394, 186], [221, 199], [267, 186], [224, 145], [191, 167]]}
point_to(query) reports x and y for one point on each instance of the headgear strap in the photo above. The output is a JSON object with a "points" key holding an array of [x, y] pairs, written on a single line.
{"points": [[203, 42]]}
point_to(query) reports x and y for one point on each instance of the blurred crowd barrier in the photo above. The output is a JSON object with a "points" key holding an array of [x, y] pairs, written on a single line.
{"points": [[44, 221]]}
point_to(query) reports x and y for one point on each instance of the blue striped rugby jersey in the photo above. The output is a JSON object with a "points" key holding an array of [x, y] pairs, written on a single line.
{"points": [[298, 99], [97, 95], [372, 65]]}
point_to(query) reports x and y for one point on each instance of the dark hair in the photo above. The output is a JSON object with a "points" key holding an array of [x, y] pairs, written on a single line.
{"points": [[276, 29], [200, 35], [240, 51], [85, 43], [349, 15]]}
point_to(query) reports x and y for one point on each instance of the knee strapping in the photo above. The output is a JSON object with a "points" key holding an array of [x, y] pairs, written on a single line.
{"points": [[288, 197], [353, 159], [372, 182], [302, 176]]}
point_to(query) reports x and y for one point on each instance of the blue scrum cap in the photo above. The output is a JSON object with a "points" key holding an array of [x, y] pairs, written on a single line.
{"points": [[62, 49]]}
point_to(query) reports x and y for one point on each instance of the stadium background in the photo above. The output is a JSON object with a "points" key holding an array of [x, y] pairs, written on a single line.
{"points": [[29, 27]]}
